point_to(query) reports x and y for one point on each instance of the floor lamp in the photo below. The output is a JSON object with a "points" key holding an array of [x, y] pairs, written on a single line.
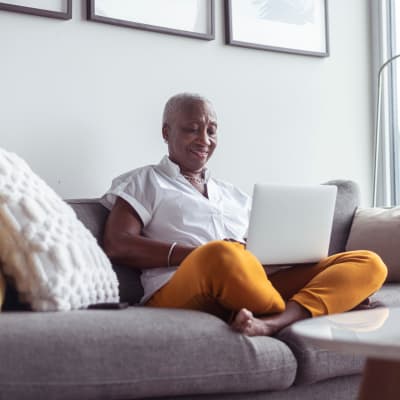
{"points": [[378, 124]]}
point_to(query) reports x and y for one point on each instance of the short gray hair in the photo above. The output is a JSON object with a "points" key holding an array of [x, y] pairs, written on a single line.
{"points": [[176, 102]]}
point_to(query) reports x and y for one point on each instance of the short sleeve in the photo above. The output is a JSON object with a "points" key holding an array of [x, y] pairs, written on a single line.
{"points": [[137, 189]]}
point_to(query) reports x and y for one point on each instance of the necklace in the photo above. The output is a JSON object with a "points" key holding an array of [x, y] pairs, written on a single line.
{"points": [[193, 179]]}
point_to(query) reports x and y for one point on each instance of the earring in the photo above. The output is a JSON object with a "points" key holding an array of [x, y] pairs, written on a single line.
{"points": [[165, 140]]}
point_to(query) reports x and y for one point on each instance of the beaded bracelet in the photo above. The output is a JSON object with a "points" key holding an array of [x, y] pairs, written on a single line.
{"points": [[171, 249]]}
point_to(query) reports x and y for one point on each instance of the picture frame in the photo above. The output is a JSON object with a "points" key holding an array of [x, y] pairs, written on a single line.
{"points": [[61, 9], [190, 18], [297, 27]]}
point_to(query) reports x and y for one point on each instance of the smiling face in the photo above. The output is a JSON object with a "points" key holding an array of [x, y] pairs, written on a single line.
{"points": [[191, 133]]}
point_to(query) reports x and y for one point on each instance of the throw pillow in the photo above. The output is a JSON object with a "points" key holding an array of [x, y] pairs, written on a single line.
{"points": [[54, 261], [378, 230]]}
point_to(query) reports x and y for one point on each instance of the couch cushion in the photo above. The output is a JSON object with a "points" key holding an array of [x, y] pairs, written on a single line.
{"points": [[134, 353], [342, 388], [317, 364], [2, 288], [378, 230], [389, 295], [347, 201], [51, 256], [94, 215]]}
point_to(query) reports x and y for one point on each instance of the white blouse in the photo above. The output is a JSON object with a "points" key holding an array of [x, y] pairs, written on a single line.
{"points": [[172, 210]]}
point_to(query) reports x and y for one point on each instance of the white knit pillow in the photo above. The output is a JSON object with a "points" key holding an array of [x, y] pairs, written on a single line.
{"points": [[54, 260]]}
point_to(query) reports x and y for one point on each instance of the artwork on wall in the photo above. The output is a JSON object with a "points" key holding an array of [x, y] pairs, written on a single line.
{"points": [[291, 26], [192, 18], [61, 9]]}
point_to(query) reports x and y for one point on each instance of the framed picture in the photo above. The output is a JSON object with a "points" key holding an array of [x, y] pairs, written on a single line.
{"points": [[290, 26], [191, 18], [61, 9]]}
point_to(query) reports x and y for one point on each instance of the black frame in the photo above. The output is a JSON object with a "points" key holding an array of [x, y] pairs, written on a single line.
{"points": [[42, 12], [91, 15], [229, 36]]}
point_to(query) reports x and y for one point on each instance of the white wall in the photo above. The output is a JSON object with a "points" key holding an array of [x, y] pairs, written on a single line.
{"points": [[81, 101]]}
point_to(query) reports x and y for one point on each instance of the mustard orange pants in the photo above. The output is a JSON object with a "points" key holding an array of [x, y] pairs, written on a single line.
{"points": [[220, 277]]}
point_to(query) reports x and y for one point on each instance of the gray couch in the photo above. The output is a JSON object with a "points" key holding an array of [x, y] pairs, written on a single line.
{"points": [[140, 352]]}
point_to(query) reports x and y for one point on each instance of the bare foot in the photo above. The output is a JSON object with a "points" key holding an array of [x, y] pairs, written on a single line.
{"points": [[245, 322], [368, 305]]}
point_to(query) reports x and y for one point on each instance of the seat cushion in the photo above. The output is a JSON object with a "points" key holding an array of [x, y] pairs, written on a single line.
{"points": [[317, 364], [389, 295], [134, 353]]}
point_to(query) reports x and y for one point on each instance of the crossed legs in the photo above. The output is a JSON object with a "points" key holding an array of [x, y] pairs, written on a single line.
{"points": [[223, 277]]}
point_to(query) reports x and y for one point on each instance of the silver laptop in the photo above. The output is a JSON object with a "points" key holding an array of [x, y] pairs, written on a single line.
{"points": [[291, 224]]}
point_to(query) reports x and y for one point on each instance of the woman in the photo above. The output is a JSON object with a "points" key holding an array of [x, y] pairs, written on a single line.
{"points": [[186, 230]]}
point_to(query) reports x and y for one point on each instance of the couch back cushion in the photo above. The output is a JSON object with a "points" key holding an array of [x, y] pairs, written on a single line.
{"points": [[94, 216], [2, 287], [377, 229], [347, 201]]}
